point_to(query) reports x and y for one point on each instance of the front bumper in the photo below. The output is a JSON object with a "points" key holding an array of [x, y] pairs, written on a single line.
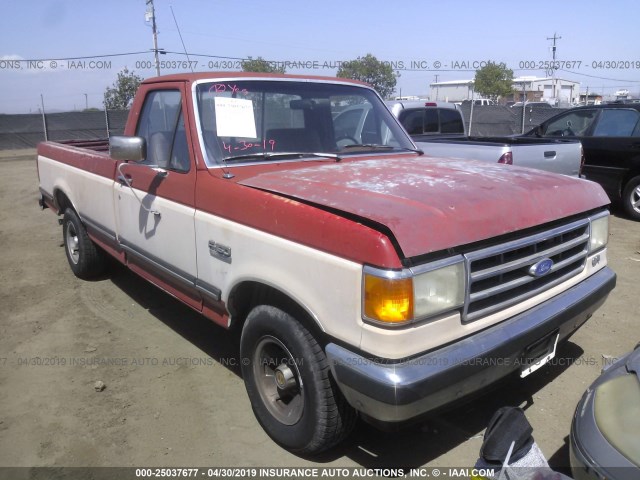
{"points": [[395, 392]]}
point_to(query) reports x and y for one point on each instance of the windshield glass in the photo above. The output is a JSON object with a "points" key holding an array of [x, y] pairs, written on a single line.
{"points": [[246, 120]]}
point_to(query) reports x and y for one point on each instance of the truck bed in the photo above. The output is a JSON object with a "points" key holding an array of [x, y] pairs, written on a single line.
{"points": [[98, 145], [554, 155]]}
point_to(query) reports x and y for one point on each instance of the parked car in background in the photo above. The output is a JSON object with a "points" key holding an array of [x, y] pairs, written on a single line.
{"points": [[533, 105], [478, 102], [438, 128], [441, 119], [559, 156], [605, 432], [610, 136]]}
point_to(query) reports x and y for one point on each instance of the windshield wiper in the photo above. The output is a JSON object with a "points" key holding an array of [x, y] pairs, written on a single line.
{"points": [[368, 145], [383, 147], [270, 155]]}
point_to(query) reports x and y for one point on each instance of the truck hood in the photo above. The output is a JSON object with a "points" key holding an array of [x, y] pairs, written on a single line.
{"points": [[433, 204]]}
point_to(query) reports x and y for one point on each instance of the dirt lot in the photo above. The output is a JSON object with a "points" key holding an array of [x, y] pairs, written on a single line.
{"points": [[173, 395]]}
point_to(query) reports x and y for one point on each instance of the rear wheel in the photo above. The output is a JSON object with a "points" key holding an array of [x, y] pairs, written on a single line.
{"points": [[85, 259], [288, 380], [631, 198]]}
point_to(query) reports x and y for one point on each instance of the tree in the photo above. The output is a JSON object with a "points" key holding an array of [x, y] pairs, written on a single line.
{"points": [[371, 70], [260, 65], [120, 95], [494, 80]]}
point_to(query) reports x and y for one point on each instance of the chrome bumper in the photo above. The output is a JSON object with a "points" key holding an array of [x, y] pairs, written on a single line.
{"points": [[395, 392]]}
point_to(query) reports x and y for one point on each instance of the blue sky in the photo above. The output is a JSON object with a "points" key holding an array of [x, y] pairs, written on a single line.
{"points": [[457, 34]]}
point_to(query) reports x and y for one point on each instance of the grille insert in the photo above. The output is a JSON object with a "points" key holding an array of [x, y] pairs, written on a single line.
{"points": [[498, 276]]}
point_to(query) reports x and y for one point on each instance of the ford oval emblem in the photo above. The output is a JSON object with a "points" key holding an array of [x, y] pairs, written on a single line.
{"points": [[541, 268]]}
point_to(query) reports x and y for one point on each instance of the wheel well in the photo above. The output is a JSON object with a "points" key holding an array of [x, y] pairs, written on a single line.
{"points": [[248, 295], [630, 175], [62, 201]]}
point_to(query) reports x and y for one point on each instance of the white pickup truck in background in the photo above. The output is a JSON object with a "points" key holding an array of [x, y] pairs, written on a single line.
{"points": [[438, 129], [557, 157]]}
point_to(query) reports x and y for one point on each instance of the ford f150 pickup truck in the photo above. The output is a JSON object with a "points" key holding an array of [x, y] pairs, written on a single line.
{"points": [[438, 129], [362, 276]]}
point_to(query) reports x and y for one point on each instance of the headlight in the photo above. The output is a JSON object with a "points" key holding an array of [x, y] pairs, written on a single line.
{"points": [[414, 294], [439, 290], [599, 233]]}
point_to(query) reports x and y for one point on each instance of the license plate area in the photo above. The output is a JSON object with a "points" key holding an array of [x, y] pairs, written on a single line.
{"points": [[539, 353]]}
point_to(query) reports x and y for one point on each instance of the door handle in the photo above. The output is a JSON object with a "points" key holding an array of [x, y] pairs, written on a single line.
{"points": [[550, 154]]}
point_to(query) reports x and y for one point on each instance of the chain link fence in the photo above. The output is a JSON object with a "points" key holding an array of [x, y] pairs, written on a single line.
{"points": [[496, 120], [25, 131]]}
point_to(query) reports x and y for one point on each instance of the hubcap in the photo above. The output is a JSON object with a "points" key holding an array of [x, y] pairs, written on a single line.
{"points": [[72, 243], [285, 379], [635, 199], [278, 380]]}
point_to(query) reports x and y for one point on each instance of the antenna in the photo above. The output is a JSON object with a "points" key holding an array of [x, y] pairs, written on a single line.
{"points": [[182, 41]]}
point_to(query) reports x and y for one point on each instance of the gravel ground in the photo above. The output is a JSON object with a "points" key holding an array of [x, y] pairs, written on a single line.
{"points": [[173, 395]]}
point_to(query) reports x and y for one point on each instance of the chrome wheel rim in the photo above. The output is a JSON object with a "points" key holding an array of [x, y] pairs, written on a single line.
{"points": [[634, 199], [278, 380], [71, 240]]}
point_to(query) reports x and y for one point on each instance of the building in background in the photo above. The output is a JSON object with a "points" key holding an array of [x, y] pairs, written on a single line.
{"points": [[556, 91], [453, 91]]}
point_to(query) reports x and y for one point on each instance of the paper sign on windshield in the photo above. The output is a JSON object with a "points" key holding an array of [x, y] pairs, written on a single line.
{"points": [[234, 117]]}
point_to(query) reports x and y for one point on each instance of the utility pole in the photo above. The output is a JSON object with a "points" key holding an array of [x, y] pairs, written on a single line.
{"points": [[44, 119], [524, 105], [553, 66], [437, 86], [150, 15], [86, 102]]}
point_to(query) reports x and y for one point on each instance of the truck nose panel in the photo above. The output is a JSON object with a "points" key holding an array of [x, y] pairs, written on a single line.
{"points": [[395, 392]]}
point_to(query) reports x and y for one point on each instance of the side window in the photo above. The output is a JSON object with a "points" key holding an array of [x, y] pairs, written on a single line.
{"points": [[572, 124], [162, 126], [616, 123], [450, 121]]}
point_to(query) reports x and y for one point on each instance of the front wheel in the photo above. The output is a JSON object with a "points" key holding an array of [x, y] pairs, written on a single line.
{"points": [[85, 259], [631, 198], [287, 377]]}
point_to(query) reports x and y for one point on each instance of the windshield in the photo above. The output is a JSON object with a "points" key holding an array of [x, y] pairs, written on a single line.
{"points": [[251, 120]]}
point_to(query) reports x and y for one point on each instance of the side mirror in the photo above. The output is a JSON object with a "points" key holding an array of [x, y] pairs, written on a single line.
{"points": [[128, 149]]}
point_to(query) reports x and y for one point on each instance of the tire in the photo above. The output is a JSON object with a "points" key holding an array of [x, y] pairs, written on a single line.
{"points": [[288, 381], [631, 198], [85, 259]]}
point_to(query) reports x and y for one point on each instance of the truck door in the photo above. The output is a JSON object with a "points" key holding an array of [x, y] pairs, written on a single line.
{"points": [[613, 148], [155, 217]]}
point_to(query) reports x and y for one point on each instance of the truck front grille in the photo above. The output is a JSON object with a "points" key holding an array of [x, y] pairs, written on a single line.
{"points": [[500, 276]]}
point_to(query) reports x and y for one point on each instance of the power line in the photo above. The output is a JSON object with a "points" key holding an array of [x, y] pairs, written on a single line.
{"points": [[599, 78], [77, 58]]}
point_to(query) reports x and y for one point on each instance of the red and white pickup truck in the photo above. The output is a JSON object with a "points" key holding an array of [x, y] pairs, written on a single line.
{"points": [[364, 277]]}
